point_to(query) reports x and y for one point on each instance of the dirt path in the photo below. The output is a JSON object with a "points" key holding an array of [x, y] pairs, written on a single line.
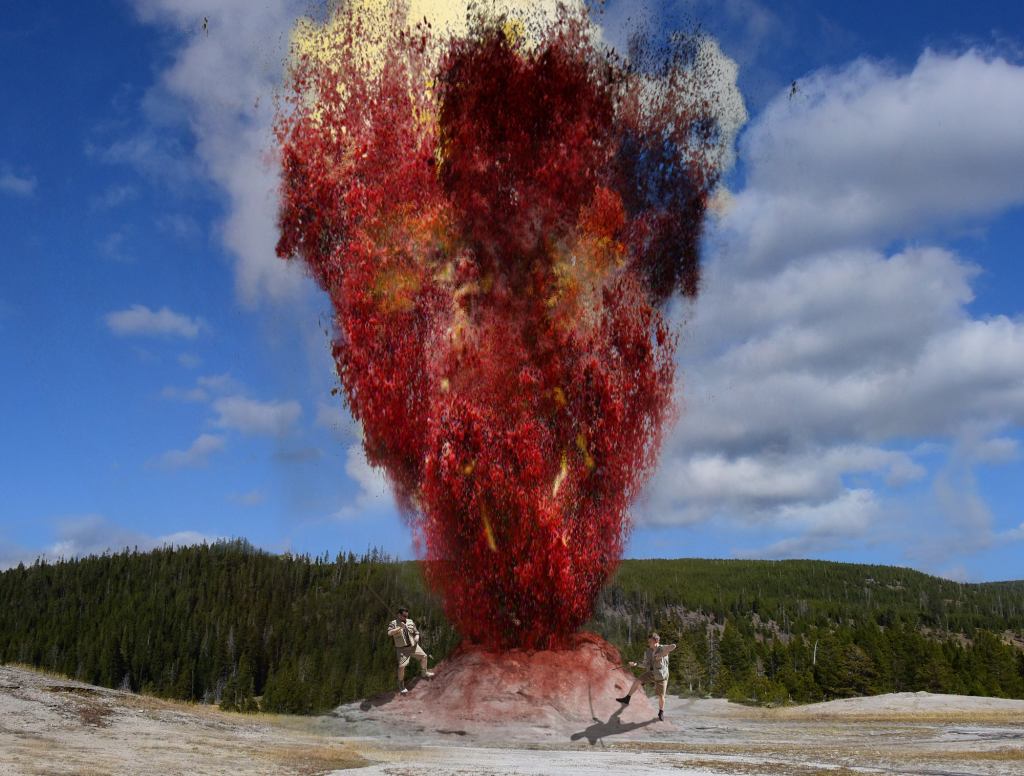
{"points": [[50, 725]]}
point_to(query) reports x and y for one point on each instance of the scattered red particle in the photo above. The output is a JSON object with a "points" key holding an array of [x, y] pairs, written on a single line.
{"points": [[497, 249]]}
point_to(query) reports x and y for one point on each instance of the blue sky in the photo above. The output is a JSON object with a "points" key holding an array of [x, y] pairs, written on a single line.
{"points": [[853, 373]]}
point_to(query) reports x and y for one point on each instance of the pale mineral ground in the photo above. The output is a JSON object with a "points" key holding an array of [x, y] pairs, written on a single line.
{"points": [[53, 725]]}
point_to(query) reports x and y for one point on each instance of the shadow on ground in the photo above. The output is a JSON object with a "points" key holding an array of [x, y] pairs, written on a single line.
{"points": [[614, 726]]}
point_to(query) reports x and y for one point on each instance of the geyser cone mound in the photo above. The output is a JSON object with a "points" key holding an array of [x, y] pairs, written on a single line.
{"points": [[569, 691]]}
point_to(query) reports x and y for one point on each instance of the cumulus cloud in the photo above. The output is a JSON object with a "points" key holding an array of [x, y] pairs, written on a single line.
{"points": [[140, 320], [819, 370], [868, 154], [759, 486], [821, 527], [250, 416], [92, 534], [373, 495], [221, 85], [197, 455]]}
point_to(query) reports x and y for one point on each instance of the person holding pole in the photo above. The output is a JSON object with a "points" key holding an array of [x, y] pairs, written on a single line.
{"points": [[655, 666], [404, 633]]}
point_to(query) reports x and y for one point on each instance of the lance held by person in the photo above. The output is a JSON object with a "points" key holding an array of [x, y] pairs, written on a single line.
{"points": [[406, 636], [655, 665]]}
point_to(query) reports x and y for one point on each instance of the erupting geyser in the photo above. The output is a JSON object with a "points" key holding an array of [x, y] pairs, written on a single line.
{"points": [[499, 211]]}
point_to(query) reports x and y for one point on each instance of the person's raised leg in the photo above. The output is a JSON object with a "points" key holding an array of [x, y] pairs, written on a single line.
{"points": [[625, 698], [422, 657]]}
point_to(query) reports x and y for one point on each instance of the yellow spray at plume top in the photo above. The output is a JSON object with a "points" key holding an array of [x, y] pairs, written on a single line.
{"points": [[445, 17], [361, 32]]}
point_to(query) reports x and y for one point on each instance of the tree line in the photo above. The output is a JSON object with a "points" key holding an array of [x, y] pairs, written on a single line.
{"points": [[229, 624]]}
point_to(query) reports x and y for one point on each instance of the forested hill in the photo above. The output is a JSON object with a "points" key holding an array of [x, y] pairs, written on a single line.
{"points": [[231, 624], [798, 594]]}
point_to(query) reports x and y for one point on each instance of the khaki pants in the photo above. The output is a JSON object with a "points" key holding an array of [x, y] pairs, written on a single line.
{"points": [[405, 654], [652, 678]]}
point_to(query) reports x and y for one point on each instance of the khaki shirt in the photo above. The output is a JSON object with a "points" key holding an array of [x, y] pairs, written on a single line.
{"points": [[656, 660], [404, 634]]}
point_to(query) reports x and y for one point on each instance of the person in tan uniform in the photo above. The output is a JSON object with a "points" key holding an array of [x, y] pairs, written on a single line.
{"points": [[655, 664], [406, 636]]}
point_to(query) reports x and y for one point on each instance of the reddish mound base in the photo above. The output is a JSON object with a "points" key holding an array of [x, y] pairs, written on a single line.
{"points": [[570, 690]]}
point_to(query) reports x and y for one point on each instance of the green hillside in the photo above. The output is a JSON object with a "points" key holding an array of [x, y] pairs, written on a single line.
{"points": [[227, 623]]}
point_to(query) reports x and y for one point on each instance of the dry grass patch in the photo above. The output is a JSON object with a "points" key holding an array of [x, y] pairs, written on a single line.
{"points": [[987, 755], [93, 714], [682, 747], [767, 768], [315, 759], [951, 717], [38, 670]]}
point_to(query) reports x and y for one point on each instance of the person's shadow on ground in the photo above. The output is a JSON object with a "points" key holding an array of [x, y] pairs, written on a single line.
{"points": [[614, 726]]}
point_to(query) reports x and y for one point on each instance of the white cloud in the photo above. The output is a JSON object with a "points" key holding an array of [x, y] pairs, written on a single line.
{"points": [[867, 154], [374, 493], [765, 485], [140, 320], [18, 185], [250, 416], [205, 386], [93, 534], [819, 371], [197, 455], [189, 360], [221, 85], [822, 527]]}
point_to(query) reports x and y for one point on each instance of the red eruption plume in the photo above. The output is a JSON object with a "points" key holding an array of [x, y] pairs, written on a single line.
{"points": [[498, 223]]}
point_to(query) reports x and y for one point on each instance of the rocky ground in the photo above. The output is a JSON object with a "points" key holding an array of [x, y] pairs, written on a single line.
{"points": [[51, 725]]}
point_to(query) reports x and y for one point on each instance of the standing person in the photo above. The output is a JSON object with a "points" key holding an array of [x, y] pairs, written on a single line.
{"points": [[404, 633], [655, 666]]}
